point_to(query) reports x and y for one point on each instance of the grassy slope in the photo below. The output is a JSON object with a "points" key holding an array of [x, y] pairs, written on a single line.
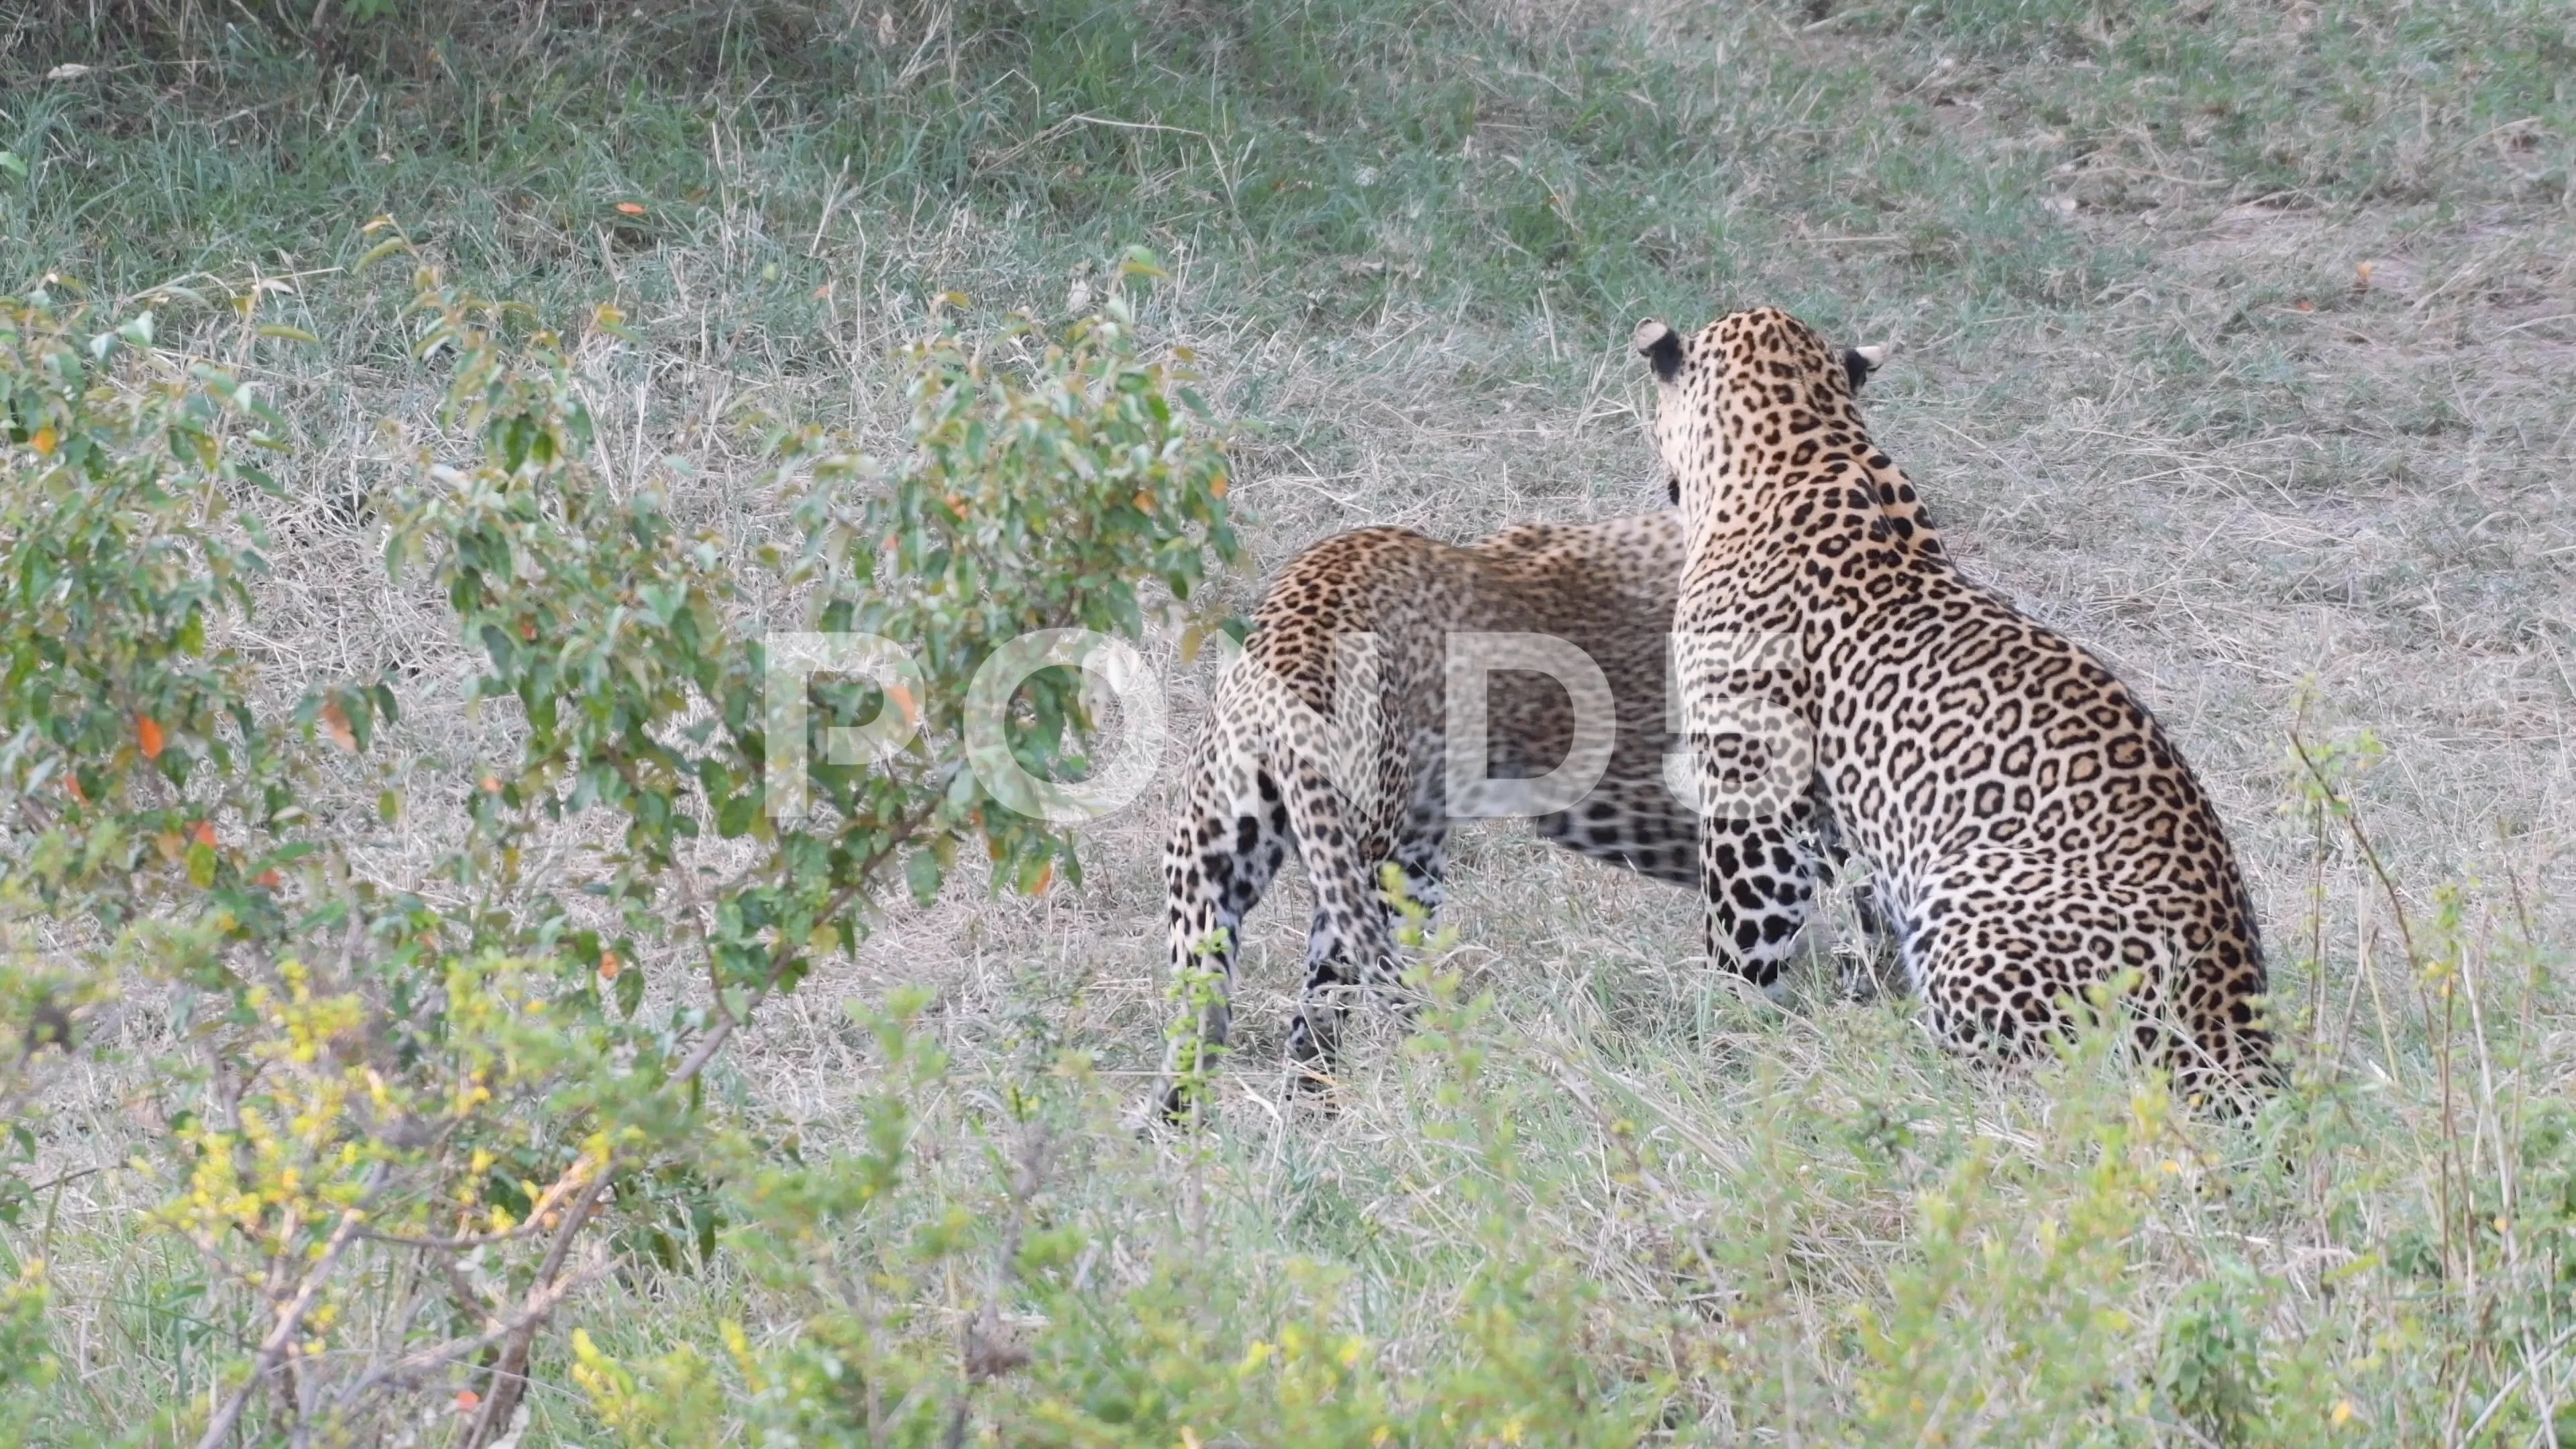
{"points": [[2142, 380]]}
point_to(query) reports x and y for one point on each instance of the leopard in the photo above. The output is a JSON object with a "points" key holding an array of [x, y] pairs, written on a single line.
{"points": [[1327, 736], [2033, 837]]}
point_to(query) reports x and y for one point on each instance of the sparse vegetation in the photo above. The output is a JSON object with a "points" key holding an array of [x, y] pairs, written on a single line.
{"points": [[2234, 339]]}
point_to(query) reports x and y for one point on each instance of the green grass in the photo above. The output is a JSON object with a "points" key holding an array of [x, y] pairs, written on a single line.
{"points": [[2140, 379]]}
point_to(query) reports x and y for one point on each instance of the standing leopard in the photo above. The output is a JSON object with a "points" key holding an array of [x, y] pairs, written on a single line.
{"points": [[1328, 734], [2030, 830]]}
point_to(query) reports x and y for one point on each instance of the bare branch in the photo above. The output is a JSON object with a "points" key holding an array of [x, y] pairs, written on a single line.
{"points": [[273, 1348]]}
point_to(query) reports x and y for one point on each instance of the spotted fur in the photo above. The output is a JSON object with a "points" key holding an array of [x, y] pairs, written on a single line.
{"points": [[1317, 741], [2030, 830]]}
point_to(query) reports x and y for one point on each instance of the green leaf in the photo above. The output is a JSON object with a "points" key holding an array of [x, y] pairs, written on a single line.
{"points": [[923, 873]]}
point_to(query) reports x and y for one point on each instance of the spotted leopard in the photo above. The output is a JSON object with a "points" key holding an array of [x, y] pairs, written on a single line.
{"points": [[1327, 736], [2030, 829]]}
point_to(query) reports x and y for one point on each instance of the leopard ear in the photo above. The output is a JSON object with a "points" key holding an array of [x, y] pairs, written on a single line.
{"points": [[1860, 362], [1660, 345]]}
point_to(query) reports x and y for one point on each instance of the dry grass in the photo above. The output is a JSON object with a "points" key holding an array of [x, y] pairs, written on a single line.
{"points": [[2288, 440]]}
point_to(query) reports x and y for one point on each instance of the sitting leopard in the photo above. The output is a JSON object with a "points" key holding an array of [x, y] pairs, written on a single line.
{"points": [[2030, 830], [1327, 733]]}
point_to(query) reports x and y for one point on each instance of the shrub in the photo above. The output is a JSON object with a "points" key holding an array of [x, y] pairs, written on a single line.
{"points": [[417, 1117]]}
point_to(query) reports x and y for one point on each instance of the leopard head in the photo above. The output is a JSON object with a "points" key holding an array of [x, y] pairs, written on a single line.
{"points": [[1750, 395]]}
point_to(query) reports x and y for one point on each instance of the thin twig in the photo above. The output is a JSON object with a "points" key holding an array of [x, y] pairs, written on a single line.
{"points": [[510, 1375], [1069, 122], [273, 1347], [540, 1302], [2511, 1385], [571, 1179]]}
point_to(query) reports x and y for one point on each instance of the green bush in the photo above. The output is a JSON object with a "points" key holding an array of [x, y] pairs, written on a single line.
{"points": [[421, 1116], [1212, 1346]]}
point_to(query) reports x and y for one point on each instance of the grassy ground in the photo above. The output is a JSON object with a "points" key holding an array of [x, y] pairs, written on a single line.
{"points": [[2236, 340]]}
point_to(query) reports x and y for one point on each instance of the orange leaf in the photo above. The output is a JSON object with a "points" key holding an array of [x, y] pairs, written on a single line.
{"points": [[335, 723], [268, 878], [608, 965], [72, 783], [2304, 305], [1216, 489], [631, 208], [203, 832], [491, 784], [467, 1401], [147, 734], [44, 440], [1046, 877], [1144, 501], [527, 629]]}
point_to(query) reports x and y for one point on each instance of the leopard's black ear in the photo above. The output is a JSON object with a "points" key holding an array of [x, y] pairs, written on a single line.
{"points": [[1860, 362], [1661, 346]]}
